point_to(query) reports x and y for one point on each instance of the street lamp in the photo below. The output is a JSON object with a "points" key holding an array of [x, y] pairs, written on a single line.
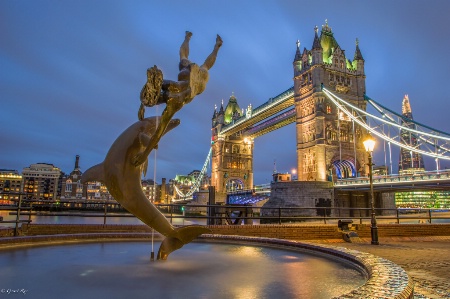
{"points": [[294, 172], [369, 144]]}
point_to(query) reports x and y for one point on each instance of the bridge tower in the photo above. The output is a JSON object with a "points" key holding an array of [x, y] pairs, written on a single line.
{"points": [[328, 143], [232, 155]]}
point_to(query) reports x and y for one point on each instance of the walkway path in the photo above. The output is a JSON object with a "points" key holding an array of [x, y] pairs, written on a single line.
{"points": [[425, 259]]}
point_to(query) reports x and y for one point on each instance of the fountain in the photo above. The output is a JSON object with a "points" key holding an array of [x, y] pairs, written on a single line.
{"points": [[115, 265], [214, 266]]}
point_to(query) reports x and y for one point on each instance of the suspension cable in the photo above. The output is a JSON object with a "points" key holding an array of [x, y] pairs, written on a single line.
{"points": [[337, 101]]}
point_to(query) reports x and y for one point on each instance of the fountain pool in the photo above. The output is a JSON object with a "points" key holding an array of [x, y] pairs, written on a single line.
{"points": [[198, 270]]}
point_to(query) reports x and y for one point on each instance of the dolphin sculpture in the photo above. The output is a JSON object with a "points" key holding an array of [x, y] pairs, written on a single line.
{"points": [[122, 176]]}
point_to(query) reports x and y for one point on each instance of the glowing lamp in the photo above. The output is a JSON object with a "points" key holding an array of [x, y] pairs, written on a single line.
{"points": [[369, 143]]}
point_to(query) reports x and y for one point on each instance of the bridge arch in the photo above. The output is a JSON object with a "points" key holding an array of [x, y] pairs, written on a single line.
{"points": [[234, 184], [344, 168]]}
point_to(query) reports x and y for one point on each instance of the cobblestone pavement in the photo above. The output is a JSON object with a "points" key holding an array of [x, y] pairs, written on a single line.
{"points": [[425, 259]]}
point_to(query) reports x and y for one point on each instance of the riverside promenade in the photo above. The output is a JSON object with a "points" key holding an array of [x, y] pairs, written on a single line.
{"points": [[425, 259]]}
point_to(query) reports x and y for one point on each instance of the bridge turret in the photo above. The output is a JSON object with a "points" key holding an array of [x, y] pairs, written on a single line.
{"points": [[232, 111], [220, 115], [358, 60], [297, 60], [214, 118], [358, 64], [316, 51]]}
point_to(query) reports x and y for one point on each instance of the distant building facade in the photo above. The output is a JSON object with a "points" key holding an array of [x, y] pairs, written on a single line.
{"points": [[42, 181], [71, 184], [184, 183], [96, 191], [409, 162], [151, 190], [281, 177], [380, 170], [10, 186]]}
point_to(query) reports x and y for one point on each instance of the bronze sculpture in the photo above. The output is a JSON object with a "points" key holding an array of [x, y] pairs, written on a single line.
{"points": [[127, 158], [192, 81]]}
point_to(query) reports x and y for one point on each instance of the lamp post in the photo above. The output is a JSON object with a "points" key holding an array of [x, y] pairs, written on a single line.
{"points": [[369, 145]]}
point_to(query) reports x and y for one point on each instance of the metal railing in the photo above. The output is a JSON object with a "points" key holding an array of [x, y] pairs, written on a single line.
{"points": [[233, 214], [424, 176]]}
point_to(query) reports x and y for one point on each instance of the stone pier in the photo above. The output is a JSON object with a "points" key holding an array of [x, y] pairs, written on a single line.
{"points": [[296, 194]]}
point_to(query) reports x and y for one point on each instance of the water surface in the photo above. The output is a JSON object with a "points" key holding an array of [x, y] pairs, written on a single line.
{"points": [[198, 270]]}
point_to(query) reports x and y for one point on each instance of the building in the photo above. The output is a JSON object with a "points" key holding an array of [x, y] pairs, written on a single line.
{"points": [[10, 186], [97, 191], [151, 190], [184, 183], [409, 161], [42, 181], [281, 177], [439, 199], [72, 188], [328, 142], [380, 170], [232, 156]]}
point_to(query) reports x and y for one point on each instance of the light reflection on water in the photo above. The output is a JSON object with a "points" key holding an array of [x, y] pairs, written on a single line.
{"points": [[41, 219], [198, 270]]}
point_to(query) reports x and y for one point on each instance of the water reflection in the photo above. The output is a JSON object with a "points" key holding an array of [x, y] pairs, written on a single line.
{"points": [[87, 219], [200, 270]]}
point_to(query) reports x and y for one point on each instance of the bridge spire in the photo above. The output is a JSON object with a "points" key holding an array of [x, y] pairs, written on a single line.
{"points": [[358, 60], [317, 51], [316, 43], [358, 55], [297, 56]]}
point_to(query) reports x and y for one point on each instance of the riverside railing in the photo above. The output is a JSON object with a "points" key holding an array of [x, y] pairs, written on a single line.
{"points": [[229, 214]]}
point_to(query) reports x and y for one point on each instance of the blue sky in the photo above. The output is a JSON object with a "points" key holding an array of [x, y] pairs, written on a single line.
{"points": [[71, 71]]}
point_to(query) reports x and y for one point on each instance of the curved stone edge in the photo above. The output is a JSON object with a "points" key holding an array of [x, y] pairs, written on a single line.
{"points": [[386, 279]]}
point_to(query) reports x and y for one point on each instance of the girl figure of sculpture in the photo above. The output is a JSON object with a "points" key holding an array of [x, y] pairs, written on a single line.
{"points": [[192, 81]]}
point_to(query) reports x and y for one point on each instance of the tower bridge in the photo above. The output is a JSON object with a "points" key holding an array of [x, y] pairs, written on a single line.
{"points": [[328, 104], [318, 122]]}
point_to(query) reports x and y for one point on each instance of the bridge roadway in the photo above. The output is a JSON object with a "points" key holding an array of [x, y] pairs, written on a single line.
{"points": [[430, 180], [273, 106]]}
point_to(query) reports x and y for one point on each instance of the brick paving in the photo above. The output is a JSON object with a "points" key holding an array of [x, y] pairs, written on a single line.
{"points": [[425, 259]]}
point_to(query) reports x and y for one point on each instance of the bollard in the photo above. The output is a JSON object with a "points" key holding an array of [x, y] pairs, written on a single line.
{"points": [[29, 215], [16, 228], [104, 214]]}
